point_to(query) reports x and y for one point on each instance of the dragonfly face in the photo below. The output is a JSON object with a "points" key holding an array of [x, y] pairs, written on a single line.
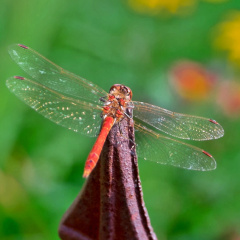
{"points": [[121, 91]]}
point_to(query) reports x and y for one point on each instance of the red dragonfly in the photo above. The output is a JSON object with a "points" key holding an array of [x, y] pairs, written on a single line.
{"points": [[77, 104]]}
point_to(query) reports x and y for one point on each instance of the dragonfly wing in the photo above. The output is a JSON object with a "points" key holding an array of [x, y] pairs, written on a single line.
{"points": [[158, 148], [79, 116], [177, 124], [54, 77]]}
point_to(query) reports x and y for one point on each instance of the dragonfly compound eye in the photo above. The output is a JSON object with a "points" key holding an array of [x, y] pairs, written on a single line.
{"points": [[115, 87], [129, 92]]}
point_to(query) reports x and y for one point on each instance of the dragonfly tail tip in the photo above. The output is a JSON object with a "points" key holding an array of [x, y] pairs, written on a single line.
{"points": [[86, 173]]}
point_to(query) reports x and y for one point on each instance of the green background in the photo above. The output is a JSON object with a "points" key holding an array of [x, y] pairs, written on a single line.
{"points": [[108, 42]]}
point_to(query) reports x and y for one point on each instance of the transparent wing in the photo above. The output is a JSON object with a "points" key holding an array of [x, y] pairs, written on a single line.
{"points": [[79, 116], [54, 77], [158, 148], [177, 124]]}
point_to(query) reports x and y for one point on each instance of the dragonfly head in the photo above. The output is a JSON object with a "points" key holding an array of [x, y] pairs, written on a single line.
{"points": [[121, 91]]}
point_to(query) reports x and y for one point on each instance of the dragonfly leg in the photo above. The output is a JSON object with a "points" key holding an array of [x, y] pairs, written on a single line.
{"points": [[102, 99]]}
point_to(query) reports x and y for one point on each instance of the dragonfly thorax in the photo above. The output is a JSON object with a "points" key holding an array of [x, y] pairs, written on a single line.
{"points": [[119, 99]]}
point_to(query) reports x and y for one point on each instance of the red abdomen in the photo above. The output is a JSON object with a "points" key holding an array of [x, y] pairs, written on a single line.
{"points": [[97, 147]]}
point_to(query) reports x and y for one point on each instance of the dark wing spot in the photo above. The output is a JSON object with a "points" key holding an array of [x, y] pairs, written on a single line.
{"points": [[22, 46], [208, 154], [213, 121], [18, 77]]}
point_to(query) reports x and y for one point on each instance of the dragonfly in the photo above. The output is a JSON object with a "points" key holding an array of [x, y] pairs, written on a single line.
{"points": [[81, 106]]}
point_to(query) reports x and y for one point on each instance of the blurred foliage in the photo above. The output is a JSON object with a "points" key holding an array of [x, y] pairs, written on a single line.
{"points": [[137, 44]]}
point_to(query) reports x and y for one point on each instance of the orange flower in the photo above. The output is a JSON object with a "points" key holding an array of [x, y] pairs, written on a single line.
{"points": [[229, 98], [192, 81]]}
